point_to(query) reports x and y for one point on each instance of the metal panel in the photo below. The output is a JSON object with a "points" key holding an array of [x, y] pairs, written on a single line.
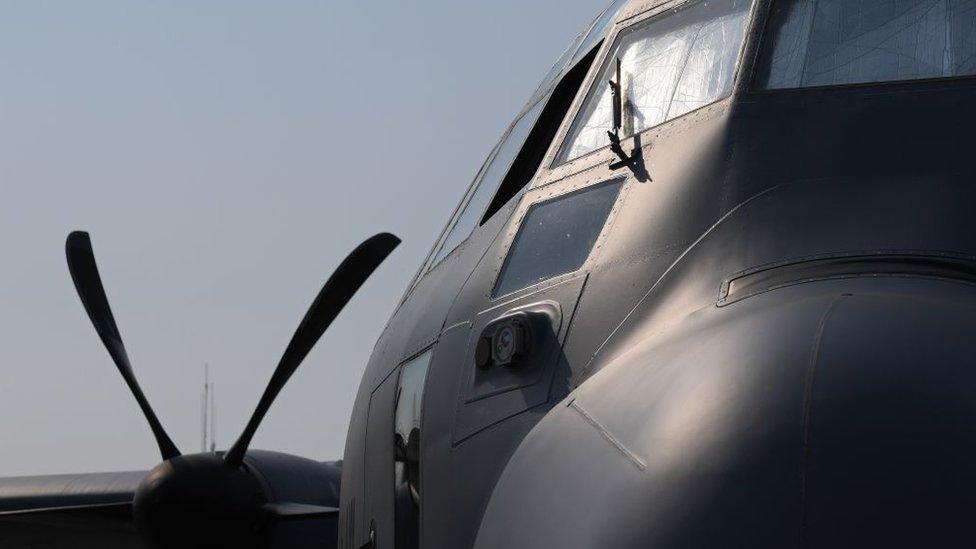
{"points": [[481, 405], [379, 464]]}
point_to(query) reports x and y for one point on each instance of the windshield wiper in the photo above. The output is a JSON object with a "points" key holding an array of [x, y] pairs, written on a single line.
{"points": [[634, 160], [616, 99]]}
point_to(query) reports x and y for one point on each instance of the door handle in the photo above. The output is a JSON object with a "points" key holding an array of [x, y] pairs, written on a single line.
{"points": [[371, 544]]}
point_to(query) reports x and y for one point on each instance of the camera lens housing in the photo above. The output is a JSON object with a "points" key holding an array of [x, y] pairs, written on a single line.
{"points": [[504, 343]]}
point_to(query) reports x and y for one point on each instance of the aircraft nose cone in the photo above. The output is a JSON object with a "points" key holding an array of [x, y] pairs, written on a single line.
{"points": [[198, 501]]}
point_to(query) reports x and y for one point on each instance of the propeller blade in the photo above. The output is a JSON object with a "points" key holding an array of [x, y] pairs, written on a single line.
{"points": [[338, 290], [84, 273]]}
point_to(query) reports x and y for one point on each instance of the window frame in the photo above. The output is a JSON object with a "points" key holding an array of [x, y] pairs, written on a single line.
{"points": [[398, 370], [433, 261], [626, 13], [570, 57], [575, 52], [545, 195], [429, 262]]}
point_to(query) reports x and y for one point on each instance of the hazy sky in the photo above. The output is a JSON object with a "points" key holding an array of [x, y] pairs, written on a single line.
{"points": [[225, 156]]}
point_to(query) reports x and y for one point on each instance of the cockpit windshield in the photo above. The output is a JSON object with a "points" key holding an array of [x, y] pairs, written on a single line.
{"points": [[671, 64], [837, 42]]}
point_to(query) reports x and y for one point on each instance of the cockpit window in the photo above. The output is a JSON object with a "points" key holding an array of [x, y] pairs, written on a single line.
{"points": [[515, 160], [583, 43], [670, 65], [600, 26], [487, 184], [556, 237], [837, 42]]}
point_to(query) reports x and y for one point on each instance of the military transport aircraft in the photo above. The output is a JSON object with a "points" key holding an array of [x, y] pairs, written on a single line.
{"points": [[715, 287]]}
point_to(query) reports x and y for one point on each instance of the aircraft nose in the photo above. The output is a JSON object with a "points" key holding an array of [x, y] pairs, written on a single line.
{"points": [[836, 414]]}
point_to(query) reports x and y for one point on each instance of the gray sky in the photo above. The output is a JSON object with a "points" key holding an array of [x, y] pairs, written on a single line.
{"points": [[225, 155]]}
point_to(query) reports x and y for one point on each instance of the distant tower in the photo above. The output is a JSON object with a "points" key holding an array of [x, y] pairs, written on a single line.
{"points": [[213, 417], [208, 414]]}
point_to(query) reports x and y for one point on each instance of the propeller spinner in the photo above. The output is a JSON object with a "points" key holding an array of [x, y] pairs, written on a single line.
{"points": [[218, 499]]}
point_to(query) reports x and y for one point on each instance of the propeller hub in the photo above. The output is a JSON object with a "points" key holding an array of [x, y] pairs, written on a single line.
{"points": [[199, 501]]}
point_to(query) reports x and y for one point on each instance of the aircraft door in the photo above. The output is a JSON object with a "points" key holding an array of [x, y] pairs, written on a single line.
{"points": [[379, 507], [393, 456]]}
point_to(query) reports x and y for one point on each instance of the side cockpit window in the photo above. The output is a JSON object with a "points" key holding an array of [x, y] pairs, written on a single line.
{"points": [[836, 42], [583, 44], [517, 158], [527, 163], [671, 64], [556, 237], [488, 181]]}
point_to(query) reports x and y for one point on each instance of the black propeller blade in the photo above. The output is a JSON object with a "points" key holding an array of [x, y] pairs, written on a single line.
{"points": [[208, 499], [338, 290], [84, 273]]}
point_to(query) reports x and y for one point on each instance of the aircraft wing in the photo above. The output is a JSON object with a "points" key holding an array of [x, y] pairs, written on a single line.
{"points": [[70, 511]]}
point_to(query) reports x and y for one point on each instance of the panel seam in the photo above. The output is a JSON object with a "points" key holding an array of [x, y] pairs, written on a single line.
{"points": [[633, 457], [808, 387]]}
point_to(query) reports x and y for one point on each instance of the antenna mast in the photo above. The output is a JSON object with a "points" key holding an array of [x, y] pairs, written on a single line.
{"points": [[213, 417], [208, 414]]}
